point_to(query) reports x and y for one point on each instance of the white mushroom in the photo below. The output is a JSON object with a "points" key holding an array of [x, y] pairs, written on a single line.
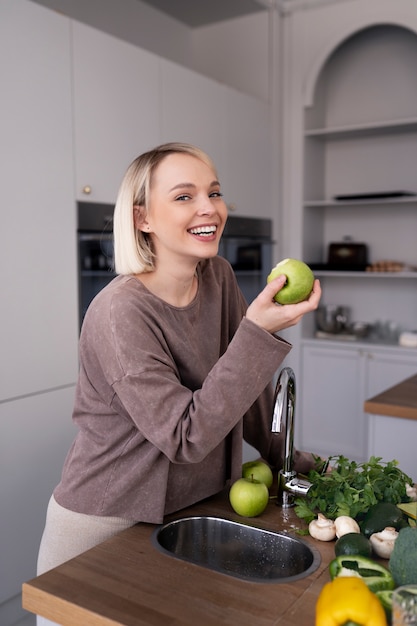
{"points": [[383, 542], [345, 524], [322, 528], [411, 491]]}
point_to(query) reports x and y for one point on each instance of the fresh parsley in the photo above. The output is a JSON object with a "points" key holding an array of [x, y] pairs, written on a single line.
{"points": [[351, 488]]}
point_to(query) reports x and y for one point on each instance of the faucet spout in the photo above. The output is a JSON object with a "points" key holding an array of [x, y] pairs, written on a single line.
{"points": [[289, 485], [283, 415]]}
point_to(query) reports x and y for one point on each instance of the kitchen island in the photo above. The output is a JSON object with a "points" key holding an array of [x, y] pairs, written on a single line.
{"points": [[127, 581], [393, 425]]}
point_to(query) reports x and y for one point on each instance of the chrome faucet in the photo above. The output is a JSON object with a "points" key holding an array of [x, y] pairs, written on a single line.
{"points": [[289, 484]]}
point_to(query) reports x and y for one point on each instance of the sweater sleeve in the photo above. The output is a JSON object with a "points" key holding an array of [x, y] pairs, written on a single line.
{"points": [[186, 425]]}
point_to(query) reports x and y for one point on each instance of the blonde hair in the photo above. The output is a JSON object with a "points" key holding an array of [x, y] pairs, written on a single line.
{"points": [[133, 252]]}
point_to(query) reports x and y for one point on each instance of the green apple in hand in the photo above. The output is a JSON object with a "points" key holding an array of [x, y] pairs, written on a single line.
{"points": [[300, 280], [259, 471], [248, 497]]}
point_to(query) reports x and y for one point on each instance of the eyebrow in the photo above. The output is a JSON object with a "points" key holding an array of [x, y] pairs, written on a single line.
{"points": [[214, 183]]}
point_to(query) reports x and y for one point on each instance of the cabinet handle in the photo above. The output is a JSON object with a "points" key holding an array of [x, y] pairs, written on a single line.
{"points": [[87, 190]]}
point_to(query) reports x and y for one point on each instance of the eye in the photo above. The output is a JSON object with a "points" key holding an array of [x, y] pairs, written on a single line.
{"points": [[216, 194], [183, 197]]}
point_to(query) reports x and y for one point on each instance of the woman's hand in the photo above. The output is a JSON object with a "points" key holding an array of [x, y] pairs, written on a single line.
{"points": [[273, 317]]}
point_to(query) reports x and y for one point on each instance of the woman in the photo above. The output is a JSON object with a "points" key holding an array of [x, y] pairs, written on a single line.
{"points": [[174, 366]]}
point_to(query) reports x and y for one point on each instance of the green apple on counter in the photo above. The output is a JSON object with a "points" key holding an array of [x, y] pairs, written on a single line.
{"points": [[300, 280], [259, 471], [248, 497]]}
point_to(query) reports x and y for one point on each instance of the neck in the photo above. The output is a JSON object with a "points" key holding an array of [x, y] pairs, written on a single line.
{"points": [[178, 289]]}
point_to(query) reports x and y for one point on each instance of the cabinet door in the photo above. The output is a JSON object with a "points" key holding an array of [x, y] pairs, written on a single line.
{"points": [[394, 438], [38, 335], [248, 155], [116, 110], [35, 436], [193, 110], [329, 409], [230, 126], [387, 368]]}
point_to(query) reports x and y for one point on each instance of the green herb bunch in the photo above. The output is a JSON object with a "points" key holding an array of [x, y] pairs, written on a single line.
{"points": [[351, 488]]}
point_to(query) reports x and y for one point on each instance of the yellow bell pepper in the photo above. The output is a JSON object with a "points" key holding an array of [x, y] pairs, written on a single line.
{"points": [[347, 600]]}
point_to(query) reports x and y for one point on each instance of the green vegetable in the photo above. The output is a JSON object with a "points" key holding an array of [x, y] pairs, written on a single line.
{"points": [[353, 543], [375, 576], [351, 488], [385, 598], [403, 560], [380, 516], [410, 511]]}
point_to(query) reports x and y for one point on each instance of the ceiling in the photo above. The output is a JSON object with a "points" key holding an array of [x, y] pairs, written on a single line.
{"points": [[202, 12]]}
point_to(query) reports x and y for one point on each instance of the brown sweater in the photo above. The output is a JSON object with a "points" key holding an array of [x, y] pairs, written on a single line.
{"points": [[164, 396]]}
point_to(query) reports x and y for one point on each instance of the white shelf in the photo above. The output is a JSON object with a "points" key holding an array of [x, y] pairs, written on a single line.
{"points": [[377, 202], [366, 275], [364, 130]]}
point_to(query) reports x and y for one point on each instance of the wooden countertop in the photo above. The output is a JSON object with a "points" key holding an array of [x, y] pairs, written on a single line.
{"points": [[127, 581], [397, 401]]}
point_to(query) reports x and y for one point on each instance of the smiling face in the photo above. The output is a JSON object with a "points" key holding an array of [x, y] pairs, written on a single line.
{"points": [[186, 213]]}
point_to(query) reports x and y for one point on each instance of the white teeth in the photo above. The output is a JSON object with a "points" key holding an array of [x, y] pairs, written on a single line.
{"points": [[203, 230]]}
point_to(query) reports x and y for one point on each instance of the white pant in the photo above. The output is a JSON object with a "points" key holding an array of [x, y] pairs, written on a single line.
{"points": [[68, 534]]}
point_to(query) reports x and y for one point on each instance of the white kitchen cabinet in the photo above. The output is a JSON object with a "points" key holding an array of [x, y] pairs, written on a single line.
{"points": [[39, 317], [388, 367], [329, 410], [127, 100], [193, 110], [248, 172], [116, 110], [336, 381], [394, 438], [35, 436], [38, 252], [230, 126]]}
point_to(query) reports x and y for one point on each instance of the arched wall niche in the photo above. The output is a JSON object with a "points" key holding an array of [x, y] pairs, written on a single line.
{"points": [[369, 76]]}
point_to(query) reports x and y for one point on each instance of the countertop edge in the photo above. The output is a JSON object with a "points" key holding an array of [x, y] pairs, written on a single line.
{"points": [[397, 401]]}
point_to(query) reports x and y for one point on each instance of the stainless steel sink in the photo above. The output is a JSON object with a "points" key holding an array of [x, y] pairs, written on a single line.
{"points": [[237, 549]]}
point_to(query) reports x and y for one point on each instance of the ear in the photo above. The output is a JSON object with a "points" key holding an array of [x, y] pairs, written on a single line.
{"points": [[139, 218]]}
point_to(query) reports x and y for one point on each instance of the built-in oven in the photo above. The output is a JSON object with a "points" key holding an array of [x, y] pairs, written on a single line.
{"points": [[95, 251], [246, 243]]}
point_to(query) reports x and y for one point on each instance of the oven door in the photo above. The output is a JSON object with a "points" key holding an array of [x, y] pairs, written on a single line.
{"points": [[96, 270]]}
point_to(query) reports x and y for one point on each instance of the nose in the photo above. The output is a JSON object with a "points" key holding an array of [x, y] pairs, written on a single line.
{"points": [[206, 206]]}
